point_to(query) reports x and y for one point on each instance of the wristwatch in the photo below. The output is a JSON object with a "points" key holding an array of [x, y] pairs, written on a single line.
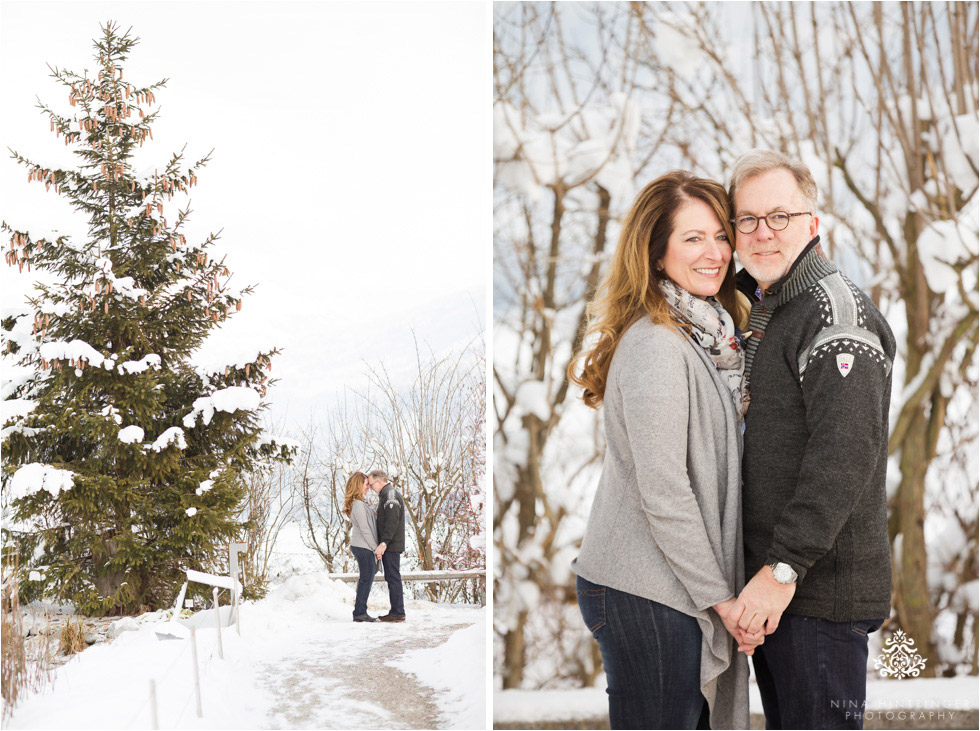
{"points": [[783, 572]]}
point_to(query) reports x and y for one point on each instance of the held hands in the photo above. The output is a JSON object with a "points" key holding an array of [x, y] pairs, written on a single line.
{"points": [[762, 603], [746, 642], [757, 610], [379, 551]]}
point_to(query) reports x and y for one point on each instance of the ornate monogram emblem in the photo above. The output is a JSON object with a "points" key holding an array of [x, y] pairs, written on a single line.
{"points": [[900, 658]]}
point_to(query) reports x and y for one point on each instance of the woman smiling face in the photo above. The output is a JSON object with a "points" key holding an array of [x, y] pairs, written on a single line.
{"points": [[698, 250]]}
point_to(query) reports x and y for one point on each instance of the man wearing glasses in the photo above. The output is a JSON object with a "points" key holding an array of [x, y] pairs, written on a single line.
{"points": [[818, 364]]}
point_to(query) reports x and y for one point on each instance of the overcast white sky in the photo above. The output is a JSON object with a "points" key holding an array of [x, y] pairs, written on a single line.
{"points": [[349, 172]]}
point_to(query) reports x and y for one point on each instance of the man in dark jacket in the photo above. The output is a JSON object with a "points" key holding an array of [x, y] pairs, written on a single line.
{"points": [[391, 537], [818, 365]]}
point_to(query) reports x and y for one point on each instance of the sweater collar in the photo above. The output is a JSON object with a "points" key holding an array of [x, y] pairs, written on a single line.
{"points": [[810, 267]]}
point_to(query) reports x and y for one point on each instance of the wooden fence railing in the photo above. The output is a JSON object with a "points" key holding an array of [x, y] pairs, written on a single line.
{"points": [[424, 576]]}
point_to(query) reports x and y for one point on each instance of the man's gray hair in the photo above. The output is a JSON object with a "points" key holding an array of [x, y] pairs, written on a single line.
{"points": [[378, 475], [758, 162]]}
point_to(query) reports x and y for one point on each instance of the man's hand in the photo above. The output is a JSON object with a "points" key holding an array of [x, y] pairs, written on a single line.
{"points": [[379, 551], [746, 642], [762, 602]]}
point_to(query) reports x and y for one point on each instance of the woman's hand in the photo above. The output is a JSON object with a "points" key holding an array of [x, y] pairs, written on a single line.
{"points": [[729, 616]]}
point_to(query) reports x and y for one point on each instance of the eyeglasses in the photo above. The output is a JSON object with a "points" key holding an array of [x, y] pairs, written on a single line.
{"points": [[775, 221]]}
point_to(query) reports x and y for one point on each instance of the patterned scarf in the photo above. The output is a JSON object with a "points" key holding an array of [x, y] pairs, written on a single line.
{"points": [[714, 330]]}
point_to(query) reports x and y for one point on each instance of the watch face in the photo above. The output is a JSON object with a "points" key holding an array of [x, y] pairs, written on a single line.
{"points": [[783, 573]]}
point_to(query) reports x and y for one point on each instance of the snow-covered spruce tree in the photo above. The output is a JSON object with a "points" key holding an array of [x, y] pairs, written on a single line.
{"points": [[122, 461]]}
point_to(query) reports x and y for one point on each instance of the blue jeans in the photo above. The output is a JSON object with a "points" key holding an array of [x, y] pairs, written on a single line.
{"points": [[366, 566], [652, 658], [812, 673], [391, 563]]}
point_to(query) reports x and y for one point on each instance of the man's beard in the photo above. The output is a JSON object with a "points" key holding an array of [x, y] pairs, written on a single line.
{"points": [[762, 275]]}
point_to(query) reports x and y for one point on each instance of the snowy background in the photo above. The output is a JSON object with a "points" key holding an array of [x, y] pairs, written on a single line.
{"points": [[345, 179], [593, 100], [349, 182]]}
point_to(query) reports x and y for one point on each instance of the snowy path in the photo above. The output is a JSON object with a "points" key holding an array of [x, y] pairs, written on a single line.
{"points": [[349, 684], [300, 662]]}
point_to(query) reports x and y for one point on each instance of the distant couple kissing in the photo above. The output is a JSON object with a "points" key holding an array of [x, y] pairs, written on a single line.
{"points": [[377, 536]]}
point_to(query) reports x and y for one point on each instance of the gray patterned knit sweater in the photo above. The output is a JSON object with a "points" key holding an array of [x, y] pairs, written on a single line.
{"points": [[818, 364]]}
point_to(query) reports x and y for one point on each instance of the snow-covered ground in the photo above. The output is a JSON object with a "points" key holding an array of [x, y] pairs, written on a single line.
{"points": [[913, 695], [300, 663], [459, 667]]}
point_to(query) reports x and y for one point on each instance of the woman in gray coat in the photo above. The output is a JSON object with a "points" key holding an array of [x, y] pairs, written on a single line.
{"points": [[661, 561], [363, 541]]}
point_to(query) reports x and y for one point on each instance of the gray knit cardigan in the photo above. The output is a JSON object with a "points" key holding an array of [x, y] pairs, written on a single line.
{"points": [[666, 521], [364, 530]]}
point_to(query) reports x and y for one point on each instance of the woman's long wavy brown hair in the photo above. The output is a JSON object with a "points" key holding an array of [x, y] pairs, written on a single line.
{"points": [[631, 286], [352, 492]]}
